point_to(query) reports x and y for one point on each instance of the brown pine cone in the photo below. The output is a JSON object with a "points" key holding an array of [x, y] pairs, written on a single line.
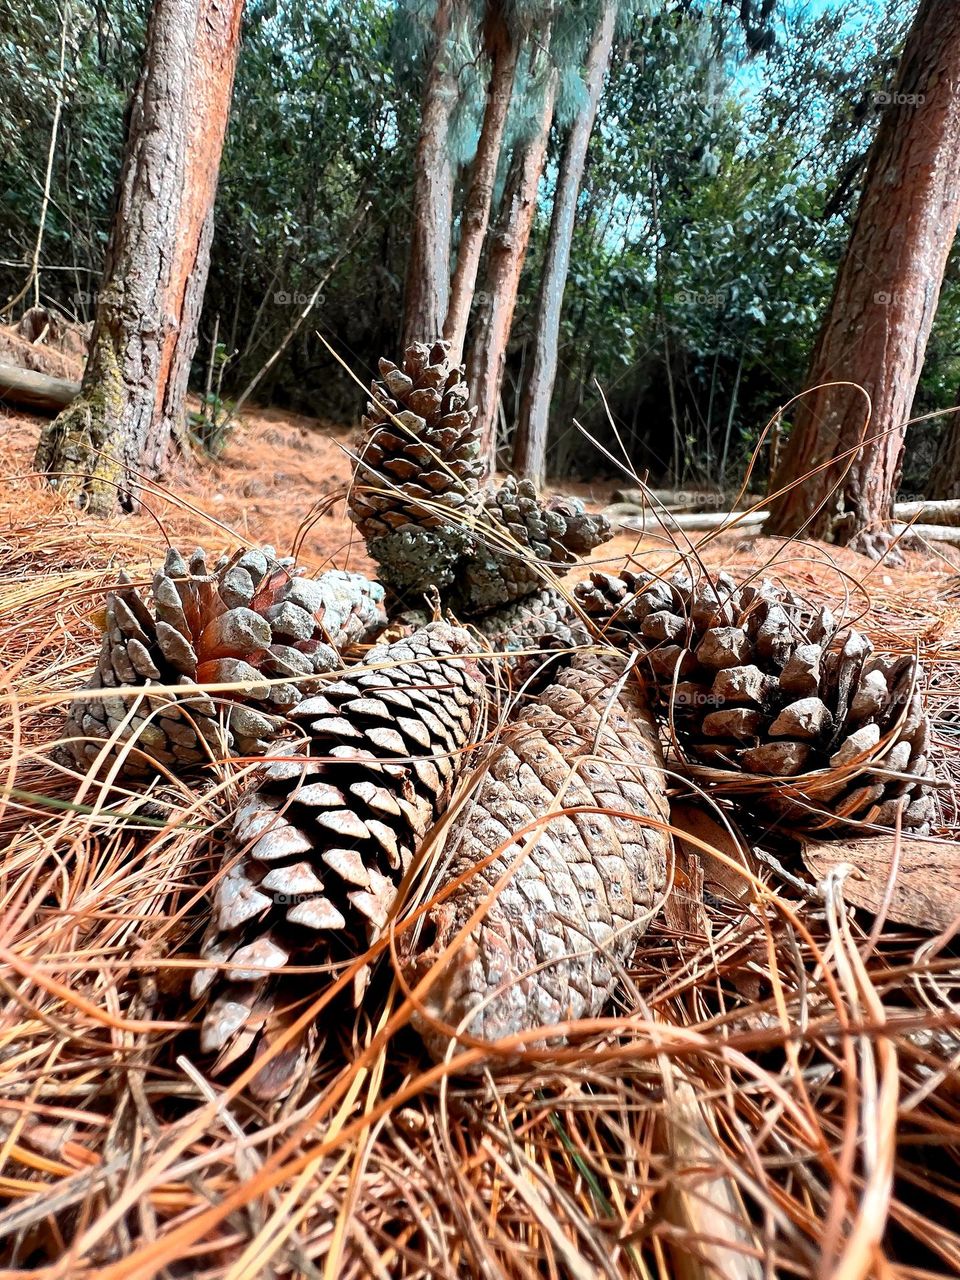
{"points": [[553, 938], [417, 479], [321, 841], [758, 685], [251, 617]]}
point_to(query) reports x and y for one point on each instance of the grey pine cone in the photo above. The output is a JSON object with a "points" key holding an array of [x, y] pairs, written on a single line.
{"points": [[579, 896]]}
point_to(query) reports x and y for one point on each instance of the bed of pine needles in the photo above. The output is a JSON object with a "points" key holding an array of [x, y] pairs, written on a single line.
{"points": [[776, 1093]]}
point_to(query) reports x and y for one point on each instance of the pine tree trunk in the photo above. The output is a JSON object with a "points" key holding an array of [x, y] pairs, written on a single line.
{"points": [[945, 476], [119, 430], [428, 262], [876, 330], [530, 446], [503, 50], [508, 249]]}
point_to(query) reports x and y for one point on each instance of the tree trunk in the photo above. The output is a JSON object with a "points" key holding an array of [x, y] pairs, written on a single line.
{"points": [[945, 476], [530, 447], [876, 331], [118, 432], [502, 49], [428, 262], [506, 254]]}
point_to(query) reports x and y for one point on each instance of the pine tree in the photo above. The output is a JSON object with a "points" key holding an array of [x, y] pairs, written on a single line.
{"points": [[119, 430], [841, 467]]}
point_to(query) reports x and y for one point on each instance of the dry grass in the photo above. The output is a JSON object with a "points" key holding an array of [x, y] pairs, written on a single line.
{"points": [[776, 1092]]}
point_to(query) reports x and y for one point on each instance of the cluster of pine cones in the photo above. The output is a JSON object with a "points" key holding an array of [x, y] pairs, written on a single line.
{"points": [[560, 850]]}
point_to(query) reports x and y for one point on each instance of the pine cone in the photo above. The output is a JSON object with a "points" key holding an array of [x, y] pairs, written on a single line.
{"points": [[251, 616], [417, 480], [544, 617], [520, 533], [553, 938], [322, 840], [753, 681]]}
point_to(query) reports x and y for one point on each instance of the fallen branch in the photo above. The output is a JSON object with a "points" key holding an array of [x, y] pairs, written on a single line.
{"points": [[947, 512], [930, 532], [694, 521], [38, 391]]}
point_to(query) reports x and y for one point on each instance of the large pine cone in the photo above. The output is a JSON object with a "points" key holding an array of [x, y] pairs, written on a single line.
{"points": [[417, 479], [518, 536], [582, 887], [752, 681], [251, 616], [322, 840]]}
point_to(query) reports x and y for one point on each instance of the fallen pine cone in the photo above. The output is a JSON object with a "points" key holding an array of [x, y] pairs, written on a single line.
{"points": [[580, 889], [787, 714], [322, 840], [252, 616]]}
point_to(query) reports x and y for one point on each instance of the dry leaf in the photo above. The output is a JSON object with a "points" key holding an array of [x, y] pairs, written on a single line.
{"points": [[927, 887], [693, 818]]}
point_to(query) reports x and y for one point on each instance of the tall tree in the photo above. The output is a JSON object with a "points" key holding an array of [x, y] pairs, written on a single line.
{"points": [[875, 332], [502, 45], [119, 429], [530, 445], [505, 257], [428, 262]]}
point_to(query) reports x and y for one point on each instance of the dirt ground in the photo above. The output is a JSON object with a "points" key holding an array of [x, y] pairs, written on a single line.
{"points": [[282, 481]]}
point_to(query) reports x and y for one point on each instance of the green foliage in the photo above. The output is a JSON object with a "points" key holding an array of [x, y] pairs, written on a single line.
{"points": [[716, 203]]}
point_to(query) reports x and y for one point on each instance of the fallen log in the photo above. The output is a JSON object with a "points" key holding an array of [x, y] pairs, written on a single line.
{"points": [[693, 522], [38, 391], [947, 512], [930, 532]]}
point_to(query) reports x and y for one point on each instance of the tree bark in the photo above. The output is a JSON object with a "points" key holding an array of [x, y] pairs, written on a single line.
{"points": [[502, 48], [530, 446], [428, 262], [119, 430], [505, 258], [875, 333], [945, 476]]}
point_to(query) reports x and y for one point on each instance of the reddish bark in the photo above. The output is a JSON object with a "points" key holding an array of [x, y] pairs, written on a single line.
{"points": [[506, 254], [530, 445], [875, 333], [502, 49], [428, 262], [119, 430]]}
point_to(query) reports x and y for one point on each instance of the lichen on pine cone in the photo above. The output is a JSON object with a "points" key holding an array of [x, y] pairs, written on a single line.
{"points": [[252, 619], [321, 841], [581, 885], [756, 685], [416, 484]]}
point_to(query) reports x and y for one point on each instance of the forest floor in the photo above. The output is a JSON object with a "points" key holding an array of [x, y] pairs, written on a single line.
{"points": [[106, 1176]]}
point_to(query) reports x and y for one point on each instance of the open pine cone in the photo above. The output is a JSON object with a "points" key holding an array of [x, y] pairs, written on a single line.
{"points": [[582, 887], [417, 479], [757, 685], [322, 840], [417, 502], [250, 619], [517, 535]]}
